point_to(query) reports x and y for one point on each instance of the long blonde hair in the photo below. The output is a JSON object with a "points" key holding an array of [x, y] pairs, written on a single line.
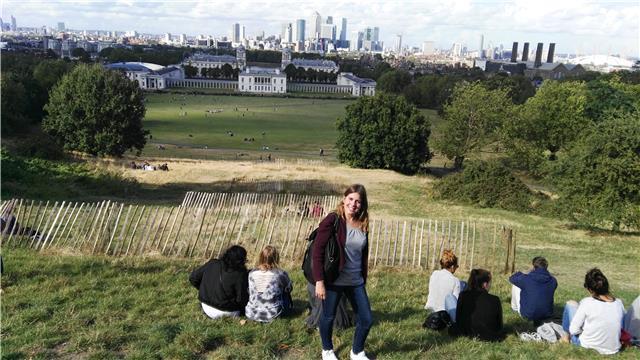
{"points": [[362, 216], [268, 258]]}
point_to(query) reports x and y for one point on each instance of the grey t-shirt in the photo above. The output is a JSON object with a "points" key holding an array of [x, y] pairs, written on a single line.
{"points": [[351, 274]]}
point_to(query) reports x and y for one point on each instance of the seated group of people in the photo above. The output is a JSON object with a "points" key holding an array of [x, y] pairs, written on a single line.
{"points": [[595, 323], [227, 288], [148, 167]]}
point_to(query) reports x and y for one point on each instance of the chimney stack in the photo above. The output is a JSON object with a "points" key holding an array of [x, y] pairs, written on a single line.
{"points": [[552, 50], [525, 52], [538, 55], [514, 52]]}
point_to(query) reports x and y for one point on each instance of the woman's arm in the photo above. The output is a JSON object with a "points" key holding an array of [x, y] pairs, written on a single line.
{"points": [[325, 229], [578, 319], [196, 276]]}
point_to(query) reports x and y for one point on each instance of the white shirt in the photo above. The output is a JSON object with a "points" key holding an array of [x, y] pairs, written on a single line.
{"points": [[441, 284], [598, 323]]}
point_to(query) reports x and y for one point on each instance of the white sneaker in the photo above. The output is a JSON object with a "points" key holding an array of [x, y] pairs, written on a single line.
{"points": [[358, 356], [328, 355]]}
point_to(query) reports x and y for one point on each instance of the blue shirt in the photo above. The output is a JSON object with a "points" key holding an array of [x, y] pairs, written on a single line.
{"points": [[536, 296]]}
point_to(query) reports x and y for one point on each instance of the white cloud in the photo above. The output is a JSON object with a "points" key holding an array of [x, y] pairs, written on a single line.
{"points": [[594, 24]]}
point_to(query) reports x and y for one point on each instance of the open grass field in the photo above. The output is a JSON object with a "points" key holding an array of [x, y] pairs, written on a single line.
{"points": [[290, 127]]}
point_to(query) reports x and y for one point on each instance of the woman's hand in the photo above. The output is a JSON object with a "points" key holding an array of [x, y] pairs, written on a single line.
{"points": [[320, 291]]}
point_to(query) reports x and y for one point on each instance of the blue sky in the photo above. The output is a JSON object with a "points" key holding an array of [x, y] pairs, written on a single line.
{"points": [[590, 27]]}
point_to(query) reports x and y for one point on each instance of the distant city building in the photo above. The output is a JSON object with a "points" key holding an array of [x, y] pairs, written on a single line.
{"points": [[183, 39], [14, 26], [316, 25], [360, 86], [399, 44], [481, 48], [206, 61], [148, 76], [343, 33], [262, 80], [427, 48], [61, 26], [167, 38], [328, 32], [300, 34], [235, 33]]}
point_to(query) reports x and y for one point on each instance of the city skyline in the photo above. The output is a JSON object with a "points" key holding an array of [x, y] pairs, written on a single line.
{"points": [[587, 27]]}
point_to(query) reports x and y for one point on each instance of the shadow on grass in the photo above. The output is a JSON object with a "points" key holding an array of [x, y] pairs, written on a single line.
{"points": [[594, 231]]}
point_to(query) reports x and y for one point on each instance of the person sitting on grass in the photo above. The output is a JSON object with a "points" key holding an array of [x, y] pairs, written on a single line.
{"points": [[632, 320], [444, 288], [532, 293], [479, 314], [269, 288], [222, 284], [596, 322]]}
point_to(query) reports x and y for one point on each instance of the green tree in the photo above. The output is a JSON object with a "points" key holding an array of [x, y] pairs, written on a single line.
{"points": [[394, 81], [290, 70], [472, 120], [15, 104], [47, 73], [192, 71], [81, 54], [598, 179], [546, 124], [227, 71], [606, 95], [519, 88], [383, 132], [96, 111]]}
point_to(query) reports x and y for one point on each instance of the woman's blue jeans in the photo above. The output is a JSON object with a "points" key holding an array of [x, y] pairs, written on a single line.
{"points": [[357, 296]]}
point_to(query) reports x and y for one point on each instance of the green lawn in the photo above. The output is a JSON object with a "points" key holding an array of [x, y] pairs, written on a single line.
{"points": [[283, 124], [102, 308]]}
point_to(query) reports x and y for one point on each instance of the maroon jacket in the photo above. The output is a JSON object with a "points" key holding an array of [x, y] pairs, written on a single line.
{"points": [[320, 243]]}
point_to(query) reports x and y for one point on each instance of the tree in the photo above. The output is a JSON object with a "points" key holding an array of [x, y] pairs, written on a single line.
{"points": [[606, 95], [227, 71], [15, 103], [290, 70], [192, 71], [81, 54], [394, 81], [47, 73], [96, 111], [519, 88], [546, 124], [472, 120], [598, 179], [383, 132]]}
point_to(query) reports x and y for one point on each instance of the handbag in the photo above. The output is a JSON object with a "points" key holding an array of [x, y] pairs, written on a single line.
{"points": [[437, 320], [331, 264]]}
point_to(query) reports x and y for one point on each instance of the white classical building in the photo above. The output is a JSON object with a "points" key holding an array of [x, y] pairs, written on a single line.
{"points": [[206, 61], [262, 81], [318, 65], [359, 86], [149, 76]]}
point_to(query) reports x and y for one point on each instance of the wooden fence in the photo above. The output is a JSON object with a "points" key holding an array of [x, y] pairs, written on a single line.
{"points": [[205, 224]]}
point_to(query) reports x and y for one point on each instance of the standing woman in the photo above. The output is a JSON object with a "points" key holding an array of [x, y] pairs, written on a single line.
{"points": [[222, 284], [353, 224]]}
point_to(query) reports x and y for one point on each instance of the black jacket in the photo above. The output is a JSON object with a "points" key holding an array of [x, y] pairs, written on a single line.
{"points": [[479, 314], [224, 290]]}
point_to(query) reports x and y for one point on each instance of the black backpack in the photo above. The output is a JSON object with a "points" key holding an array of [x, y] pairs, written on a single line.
{"points": [[331, 256], [437, 320]]}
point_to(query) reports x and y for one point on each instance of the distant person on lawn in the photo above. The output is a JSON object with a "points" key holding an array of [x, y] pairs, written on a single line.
{"points": [[479, 314], [596, 322], [222, 284], [269, 288], [532, 293], [444, 288]]}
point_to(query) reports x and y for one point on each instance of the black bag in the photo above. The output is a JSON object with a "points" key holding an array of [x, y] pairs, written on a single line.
{"points": [[331, 256], [437, 320]]}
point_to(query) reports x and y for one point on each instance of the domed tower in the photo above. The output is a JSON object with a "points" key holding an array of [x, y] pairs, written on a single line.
{"points": [[286, 57], [241, 57]]}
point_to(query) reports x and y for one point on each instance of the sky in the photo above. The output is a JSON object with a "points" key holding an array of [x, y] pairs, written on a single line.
{"points": [[583, 27]]}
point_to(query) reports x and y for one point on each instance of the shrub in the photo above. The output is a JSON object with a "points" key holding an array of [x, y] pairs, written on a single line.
{"points": [[487, 184]]}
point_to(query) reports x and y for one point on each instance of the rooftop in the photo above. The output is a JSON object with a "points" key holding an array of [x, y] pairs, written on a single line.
{"points": [[135, 66]]}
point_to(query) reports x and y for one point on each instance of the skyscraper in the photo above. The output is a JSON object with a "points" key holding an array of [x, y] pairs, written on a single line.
{"points": [[287, 33], [329, 20], [14, 27], [343, 33], [242, 33], [61, 26], [481, 49], [300, 35], [316, 25], [376, 34], [328, 32], [399, 44], [235, 33]]}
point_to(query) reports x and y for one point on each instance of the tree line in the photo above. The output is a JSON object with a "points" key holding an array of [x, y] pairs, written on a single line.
{"points": [[580, 138]]}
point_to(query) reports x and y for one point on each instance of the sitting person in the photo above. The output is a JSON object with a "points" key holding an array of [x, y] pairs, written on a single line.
{"points": [[222, 284], [532, 293], [479, 314], [632, 320], [269, 288], [596, 322], [444, 288]]}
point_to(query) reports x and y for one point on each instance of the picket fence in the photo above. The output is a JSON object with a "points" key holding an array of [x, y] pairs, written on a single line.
{"points": [[206, 223]]}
